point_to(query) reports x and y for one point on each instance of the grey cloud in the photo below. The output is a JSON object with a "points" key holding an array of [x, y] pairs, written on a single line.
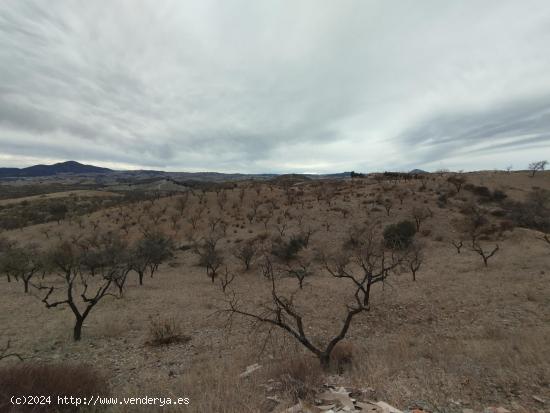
{"points": [[283, 86], [514, 125]]}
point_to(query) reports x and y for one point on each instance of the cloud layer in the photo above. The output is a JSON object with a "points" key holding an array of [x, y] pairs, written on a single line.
{"points": [[275, 86]]}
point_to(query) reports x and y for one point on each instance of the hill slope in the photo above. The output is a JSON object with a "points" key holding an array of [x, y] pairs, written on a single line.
{"points": [[48, 170]]}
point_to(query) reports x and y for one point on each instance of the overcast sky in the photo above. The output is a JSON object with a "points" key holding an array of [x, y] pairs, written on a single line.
{"points": [[275, 86]]}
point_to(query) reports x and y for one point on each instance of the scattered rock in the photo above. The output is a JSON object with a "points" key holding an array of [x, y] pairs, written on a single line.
{"points": [[386, 408], [340, 395], [496, 410], [538, 399], [250, 369]]}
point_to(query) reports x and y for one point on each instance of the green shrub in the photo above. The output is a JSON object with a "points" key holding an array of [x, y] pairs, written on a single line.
{"points": [[400, 235], [287, 250], [534, 213]]}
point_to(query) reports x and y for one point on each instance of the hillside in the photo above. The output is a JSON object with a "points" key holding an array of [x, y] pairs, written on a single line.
{"points": [[456, 334], [71, 167]]}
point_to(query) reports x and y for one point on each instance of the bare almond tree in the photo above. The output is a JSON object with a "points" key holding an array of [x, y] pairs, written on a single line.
{"points": [[534, 167], [281, 226], [246, 253], [149, 252], [264, 219], [375, 264], [419, 215], [22, 263], [242, 193], [226, 279], [299, 270], [213, 223], [401, 195], [66, 260], [458, 245], [457, 181], [210, 257], [415, 259], [387, 203], [475, 223], [181, 202], [194, 220], [485, 255]]}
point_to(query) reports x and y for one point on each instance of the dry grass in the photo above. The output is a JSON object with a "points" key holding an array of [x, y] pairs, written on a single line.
{"points": [[50, 380], [460, 332], [165, 331], [299, 376], [214, 386], [341, 358]]}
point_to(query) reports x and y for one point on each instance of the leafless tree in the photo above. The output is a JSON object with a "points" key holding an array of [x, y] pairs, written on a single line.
{"points": [[457, 181], [194, 220], [265, 218], [21, 263], [242, 193], [305, 236], [299, 270], [475, 222], [258, 189], [458, 245], [223, 227], [5, 250], [485, 255], [300, 219], [401, 195], [280, 311], [534, 167], [149, 252], [226, 279], [387, 203], [246, 253], [181, 202], [46, 232], [344, 211], [213, 223], [66, 259], [281, 226], [415, 259], [210, 257], [108, 257], [222, 200], [201, 195], [419, 215], [174, 219], [95, 224], [320, 191]]}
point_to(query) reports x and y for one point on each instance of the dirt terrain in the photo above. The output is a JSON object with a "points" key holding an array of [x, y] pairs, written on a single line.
{"points": [[461, 336], [56, 195]]}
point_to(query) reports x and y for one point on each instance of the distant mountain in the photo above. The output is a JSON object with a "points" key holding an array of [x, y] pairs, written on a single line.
{"points": [[106, 175], [49, 170], [418, 171]]}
